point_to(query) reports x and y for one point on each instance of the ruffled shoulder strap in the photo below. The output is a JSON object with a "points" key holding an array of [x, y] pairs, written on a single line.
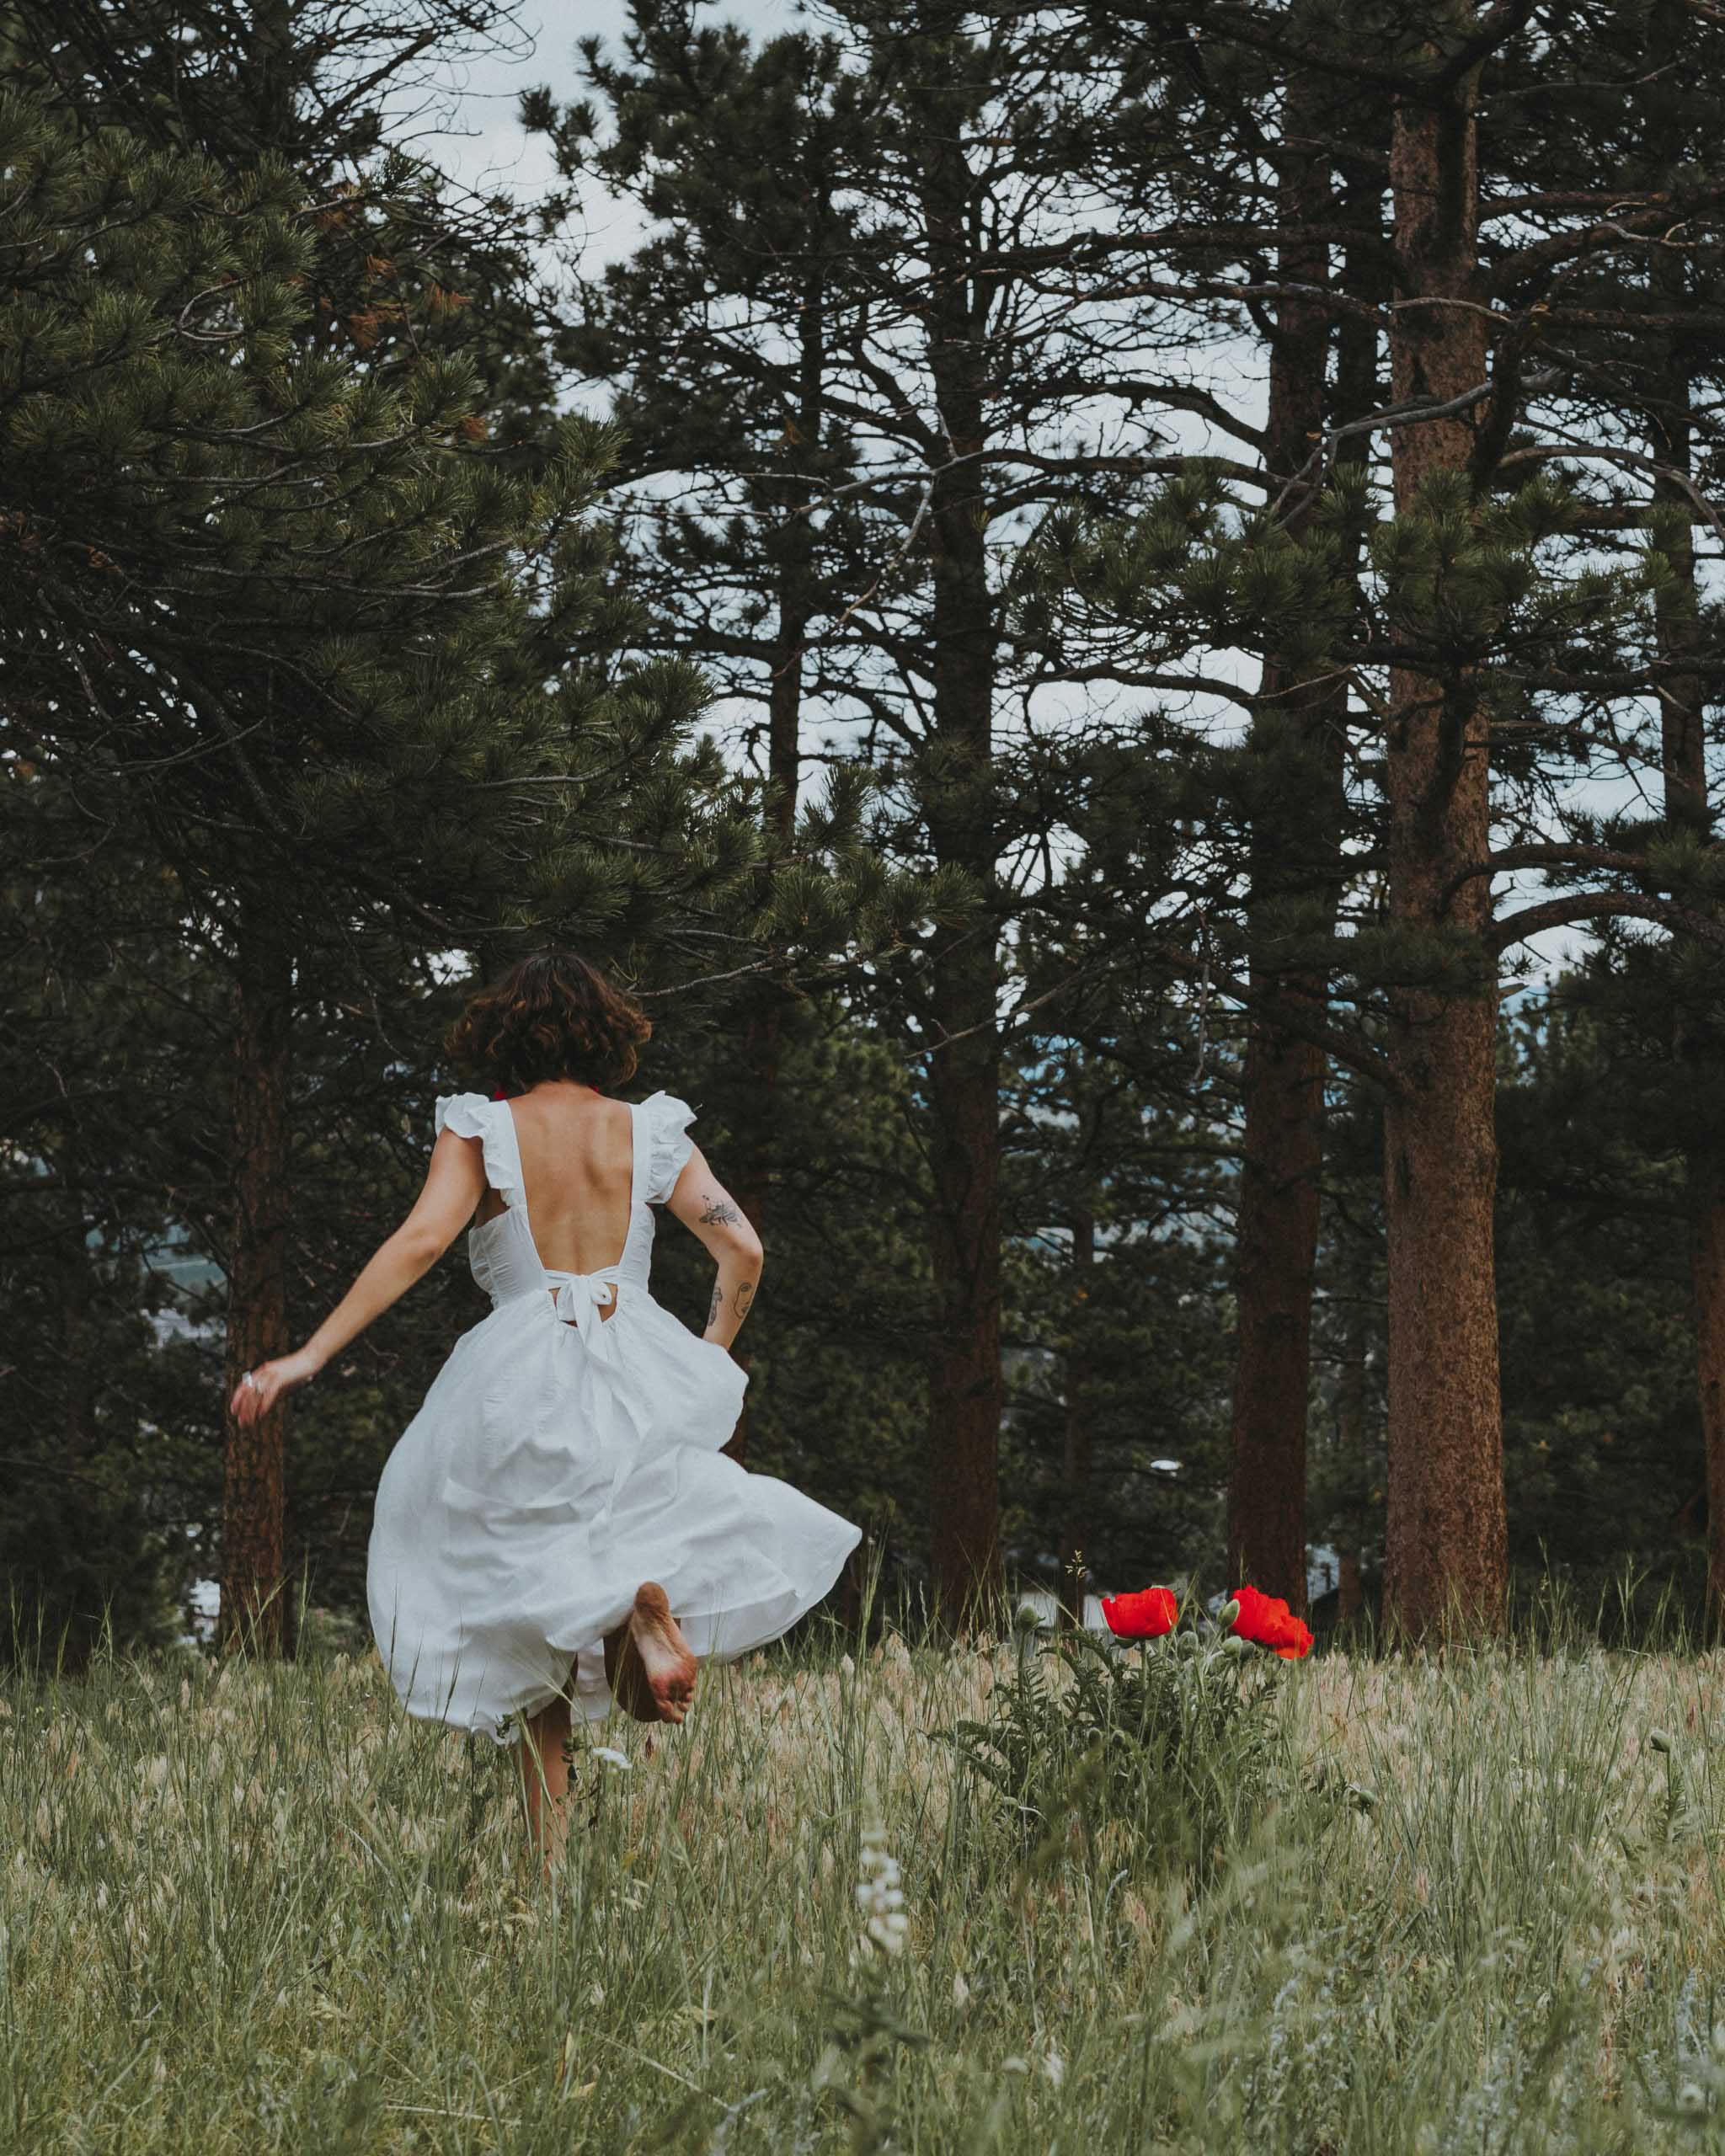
{"points": [[471, 1115], [669, 1143]]}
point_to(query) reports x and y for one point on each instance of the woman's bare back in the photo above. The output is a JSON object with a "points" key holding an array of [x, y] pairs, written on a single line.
{"points": [[577, 1150]]}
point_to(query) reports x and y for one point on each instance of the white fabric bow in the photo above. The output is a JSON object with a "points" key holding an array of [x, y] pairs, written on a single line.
{"points": [[578, 1299]]}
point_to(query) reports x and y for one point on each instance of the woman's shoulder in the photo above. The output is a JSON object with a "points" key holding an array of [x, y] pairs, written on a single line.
{"points": [[469, 1115], [472, 1115], [664, 1108], [667, 1117]]}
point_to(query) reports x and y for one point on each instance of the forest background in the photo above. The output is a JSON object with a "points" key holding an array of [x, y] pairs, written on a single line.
{"points": [[1110, 612]]}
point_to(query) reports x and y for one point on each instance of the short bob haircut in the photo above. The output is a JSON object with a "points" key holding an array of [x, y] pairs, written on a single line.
{"points": [[554, 1016]]}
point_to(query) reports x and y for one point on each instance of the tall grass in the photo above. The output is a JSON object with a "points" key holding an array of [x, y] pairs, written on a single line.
{"points": [[250, 1908]]}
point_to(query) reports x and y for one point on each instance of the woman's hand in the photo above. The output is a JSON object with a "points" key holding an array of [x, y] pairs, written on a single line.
{"points": [[453, 1184], [258, 1389]]}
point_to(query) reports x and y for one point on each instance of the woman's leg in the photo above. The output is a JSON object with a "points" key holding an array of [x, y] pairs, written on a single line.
{"points": [[544, 1774]]}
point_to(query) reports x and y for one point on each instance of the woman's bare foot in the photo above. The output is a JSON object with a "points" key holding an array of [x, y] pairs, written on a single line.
{"points": [[653, 1676]]}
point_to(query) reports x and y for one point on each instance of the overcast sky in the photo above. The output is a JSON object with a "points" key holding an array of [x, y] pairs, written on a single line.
{"points": [[484, 146]]}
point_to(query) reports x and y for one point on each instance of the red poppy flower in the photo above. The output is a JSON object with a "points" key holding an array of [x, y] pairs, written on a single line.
{"points": [[1266, 1620], [1145, 1616]]}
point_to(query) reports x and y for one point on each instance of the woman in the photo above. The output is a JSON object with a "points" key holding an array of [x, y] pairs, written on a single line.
{"points": [[556, 1529]]}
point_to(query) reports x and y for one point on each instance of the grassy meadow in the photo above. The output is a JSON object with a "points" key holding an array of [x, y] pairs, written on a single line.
{"points": [[254, 1908]]}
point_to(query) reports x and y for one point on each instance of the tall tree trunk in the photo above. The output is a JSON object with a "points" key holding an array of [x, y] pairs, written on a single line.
{"points": [[1706, 1192], [797, 600], [1350, 1443], [1683, 755], [253, 1588], [78, 1391], [1300, 730], [1284, 1076], [1447, 1537], [1075, 1452], [965, 1390]]}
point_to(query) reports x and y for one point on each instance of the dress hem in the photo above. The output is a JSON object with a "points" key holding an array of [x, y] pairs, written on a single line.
{"points": [[599, 1703]]}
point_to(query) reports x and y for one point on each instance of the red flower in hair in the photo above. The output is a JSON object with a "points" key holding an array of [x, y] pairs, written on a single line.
{"points": [[1266, 1620], [1145, 1616]]}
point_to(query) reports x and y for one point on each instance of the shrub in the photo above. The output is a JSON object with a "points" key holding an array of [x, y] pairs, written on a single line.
{"points": [[1175, 1739]]}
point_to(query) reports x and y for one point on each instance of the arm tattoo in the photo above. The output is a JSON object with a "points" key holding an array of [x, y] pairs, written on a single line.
{"points": [[745, 1295], [718, 1303], [719, 1214]]}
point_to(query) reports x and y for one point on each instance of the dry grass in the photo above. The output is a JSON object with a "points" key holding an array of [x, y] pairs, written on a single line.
{"points": [[248, 1909]]}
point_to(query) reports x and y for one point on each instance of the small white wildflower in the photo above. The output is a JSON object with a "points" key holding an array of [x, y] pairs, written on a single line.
{"points": [[880, 1894], [611, 1757], [1015, 2065], [1692, 2097], [1055, 2067], [961, 1990]]}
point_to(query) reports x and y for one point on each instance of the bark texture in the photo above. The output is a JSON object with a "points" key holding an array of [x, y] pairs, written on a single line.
{"points": [[798, 598], [965, 1390], [1447, 1540], [1707, 1266], [1300, 728], [1350, 1443], [1683, 755], [1277, 1227], [252, 1613], [1684, 760]]}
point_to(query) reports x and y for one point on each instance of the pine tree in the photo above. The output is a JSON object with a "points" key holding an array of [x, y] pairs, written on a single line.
{"points": [[947, 379], [1648, 349], [273, 624], [1489, 621]]}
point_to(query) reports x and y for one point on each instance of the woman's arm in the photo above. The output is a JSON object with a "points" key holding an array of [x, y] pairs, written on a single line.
{"points": [[443, 1207], [704, 1206]]}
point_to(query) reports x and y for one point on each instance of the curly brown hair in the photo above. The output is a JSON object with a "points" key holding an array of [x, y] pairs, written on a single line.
{"points": [[554, 1016]]}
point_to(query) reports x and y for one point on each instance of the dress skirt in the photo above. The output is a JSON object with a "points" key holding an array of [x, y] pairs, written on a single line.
{"points": [[551, 1469]]}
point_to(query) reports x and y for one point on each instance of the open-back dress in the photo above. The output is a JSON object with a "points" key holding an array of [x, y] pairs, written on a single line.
{"points": [[568, 1450]]}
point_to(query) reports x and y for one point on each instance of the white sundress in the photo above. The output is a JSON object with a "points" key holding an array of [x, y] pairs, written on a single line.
{"points": [[561, 1458]]}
